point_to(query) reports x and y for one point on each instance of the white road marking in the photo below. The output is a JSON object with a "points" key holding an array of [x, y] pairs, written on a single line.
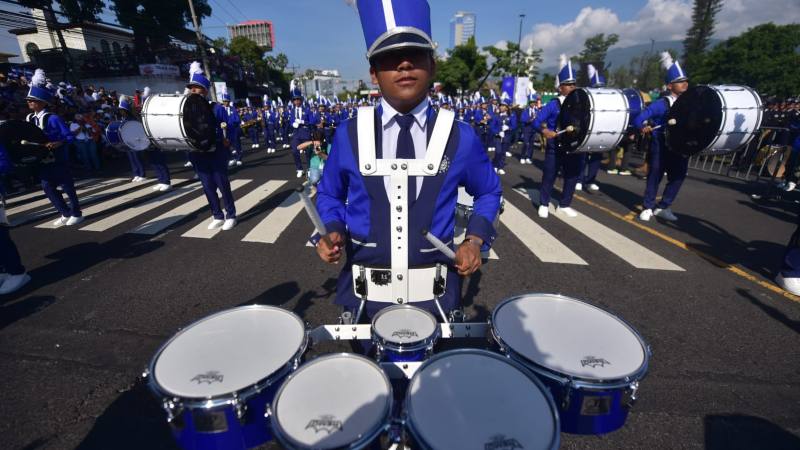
{"points": [[51, 210], [38, 192], [268, 230], [541, 243]]}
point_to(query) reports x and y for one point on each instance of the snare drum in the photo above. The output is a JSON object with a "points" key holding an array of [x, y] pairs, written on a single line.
{"points": [[127, 135], [473, 398], [216, 377], [180, 122], [714, 120], [600, 117], [404, 333], [338, 401], [591, 360]]}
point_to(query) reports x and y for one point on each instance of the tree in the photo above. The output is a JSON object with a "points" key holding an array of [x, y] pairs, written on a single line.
{"points": [[246, 49], [153, 21], [278, 62], [699, 34], [547, 83], [510, 61], [764, 57], [74, 10], [463, 68], [594, 52]]}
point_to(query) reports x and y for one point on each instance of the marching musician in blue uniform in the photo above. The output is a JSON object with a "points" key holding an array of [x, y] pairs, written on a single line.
{"points": [[155, 155], [12, 273], [56, 173], [590, 164], [395, 171], [270, 119], [528, 132], [233, 128], [502, 126], [661, 159], [300, 119], [212, 167], [555, 159]]}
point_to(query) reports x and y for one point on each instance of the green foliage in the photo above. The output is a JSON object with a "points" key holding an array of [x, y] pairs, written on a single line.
{"points": [[699, 34], [246, 49], [74, 10], [463, 69], [765, 58], [152, 21], [594, 52], [547, 83], [512, 62]]}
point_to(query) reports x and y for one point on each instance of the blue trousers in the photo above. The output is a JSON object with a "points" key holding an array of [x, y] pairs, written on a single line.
{"points": [[299, 136], [269, 135], [235, 137], [569, 164], [662, 160], [136, 164], [502, 145], [159, 164], [591, 162], [791, 259], [253, 131], [10, 261], [528, 138], [54, 176], [212, 169]]}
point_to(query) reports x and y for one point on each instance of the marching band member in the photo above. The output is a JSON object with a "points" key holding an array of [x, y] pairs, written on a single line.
{"points": [[555, 159], [211, 167], [591, 161], [12, 273], [502, 127], [789, 276], [270, 119], [301, 120], [156, 156], [54, 174], [528, 132], [379, 234], [661, 158], [233, 128]]}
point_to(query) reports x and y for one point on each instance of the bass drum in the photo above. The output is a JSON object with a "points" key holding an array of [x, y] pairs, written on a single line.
{"points": [[180, 122], [599, 117], [714, 120], [127, 135], [14, 132]]}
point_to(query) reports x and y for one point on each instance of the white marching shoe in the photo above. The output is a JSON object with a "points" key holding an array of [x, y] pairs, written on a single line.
{"points": [[508, 154], [665, 214], [61, 221], [578, 187], [229, 224], [162, 187], [544, 211], [791, 285], [188, 164], [74, 221], [299, 174], [13, 283], [501, 172], [594, 187], [215, 224], [136, 179], [568, 211], [646, 215], [238, 163], [231, 163]]}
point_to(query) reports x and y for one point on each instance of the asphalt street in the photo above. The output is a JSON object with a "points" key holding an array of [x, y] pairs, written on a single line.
{"points": [[724, 372]]}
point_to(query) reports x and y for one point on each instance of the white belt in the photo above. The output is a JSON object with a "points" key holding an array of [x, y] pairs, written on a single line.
{"points": [[375, 285]]}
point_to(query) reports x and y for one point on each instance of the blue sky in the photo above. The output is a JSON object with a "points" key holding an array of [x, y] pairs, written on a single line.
{"points": [[326, 34]]}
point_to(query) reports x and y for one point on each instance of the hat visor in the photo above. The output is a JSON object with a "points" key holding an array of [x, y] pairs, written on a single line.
{"points": [[195, 83], [400, 38], [679, 79], [33, 97]]}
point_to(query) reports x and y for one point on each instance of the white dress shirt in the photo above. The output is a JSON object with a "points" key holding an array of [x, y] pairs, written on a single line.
{"points": [[391, 130]]}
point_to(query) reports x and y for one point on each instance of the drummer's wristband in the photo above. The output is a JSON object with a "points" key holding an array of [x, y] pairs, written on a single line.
{"points": [[472, 241]]}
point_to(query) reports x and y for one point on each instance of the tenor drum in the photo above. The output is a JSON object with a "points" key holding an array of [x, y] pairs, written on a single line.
{"points": [[714, 120], [338, 401], [473, 398], [404, 333], [180, 122], [216, 377], [591, 360], [127, 135], [599, 116], [14, 132]]}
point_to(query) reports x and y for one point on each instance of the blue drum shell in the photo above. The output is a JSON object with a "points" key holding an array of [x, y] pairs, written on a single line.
{"points": [[112, 134], [589, 410]]}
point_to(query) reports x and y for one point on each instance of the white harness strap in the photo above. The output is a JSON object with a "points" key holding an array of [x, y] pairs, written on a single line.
{"points": [[398, 171]]}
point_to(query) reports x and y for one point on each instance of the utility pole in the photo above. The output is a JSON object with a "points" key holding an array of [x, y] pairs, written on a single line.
{"points": [[52, 24], [519, 43], [202, 50]]}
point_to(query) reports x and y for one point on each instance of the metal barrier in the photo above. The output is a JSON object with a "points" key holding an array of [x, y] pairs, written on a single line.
{"points": [[761, 159]]}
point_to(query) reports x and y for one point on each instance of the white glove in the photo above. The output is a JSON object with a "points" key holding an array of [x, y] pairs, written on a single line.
{"points": [[301, 121], [506, 128], [502, 134], [296, 124]]}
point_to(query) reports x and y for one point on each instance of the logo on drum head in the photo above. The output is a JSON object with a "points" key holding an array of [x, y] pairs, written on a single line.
{"points": [[210, 377], [326, 423], [405, 333], [593, 362], [501, 442]]}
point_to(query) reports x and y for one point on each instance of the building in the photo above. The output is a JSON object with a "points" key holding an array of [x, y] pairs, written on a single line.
{"points": [[259, 31], [462, 27], [328, 83]]}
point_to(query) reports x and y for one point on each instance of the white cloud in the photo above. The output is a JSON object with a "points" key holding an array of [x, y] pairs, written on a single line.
{"points": [[662, 20]]}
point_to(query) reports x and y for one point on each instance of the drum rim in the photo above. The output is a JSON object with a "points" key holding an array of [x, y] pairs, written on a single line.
{"points": [[126, 122], [561, 377], [155, 141], [228, 398], [412, 346], [407, 405], [590, 132], [382, 425]]}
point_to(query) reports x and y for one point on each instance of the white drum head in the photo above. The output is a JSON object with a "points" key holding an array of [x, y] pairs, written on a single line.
{"points": [[132, 134], [477, 399], [229, 351], [464, 198], [332, 402], [569, 337], [404, 324]]}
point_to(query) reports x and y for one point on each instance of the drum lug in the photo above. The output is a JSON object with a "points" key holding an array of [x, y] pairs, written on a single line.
{"points": [[566, 399], [240, 408], [346, 318], [457, 315], [173, 409], [630, 394]]}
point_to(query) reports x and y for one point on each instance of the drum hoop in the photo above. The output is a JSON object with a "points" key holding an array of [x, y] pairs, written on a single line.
{"points": [[590, 132], [409, 346], [229, 398], [125, 144], [563, 378], [382, 424], [408, 414]]}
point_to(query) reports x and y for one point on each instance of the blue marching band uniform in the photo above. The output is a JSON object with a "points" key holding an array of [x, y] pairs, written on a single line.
{"points": [[382, 197]]}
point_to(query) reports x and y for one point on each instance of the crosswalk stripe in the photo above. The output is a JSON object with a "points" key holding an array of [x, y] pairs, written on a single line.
{"points": [[242, 206], [129, 213], [39, 192], [630, 251], [45, 202], [268, 230], [160, 223], [114, 202], [541, 243]]}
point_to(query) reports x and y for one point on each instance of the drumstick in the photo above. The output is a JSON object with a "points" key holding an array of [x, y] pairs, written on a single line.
{"points": [[439, 245], [33, 144], [569, 129], [670, 122]]}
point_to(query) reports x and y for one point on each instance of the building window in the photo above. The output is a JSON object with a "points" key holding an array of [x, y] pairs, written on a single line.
{"points": [[117, 49], [105, 47], [31, 49]]}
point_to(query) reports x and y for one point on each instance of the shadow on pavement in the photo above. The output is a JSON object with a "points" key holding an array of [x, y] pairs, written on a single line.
{"points": [[281, 294], [23, 308], [771, 311], [739, 432]]}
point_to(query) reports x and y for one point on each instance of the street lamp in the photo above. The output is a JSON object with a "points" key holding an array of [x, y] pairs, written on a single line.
{"points": [[519, 42]]}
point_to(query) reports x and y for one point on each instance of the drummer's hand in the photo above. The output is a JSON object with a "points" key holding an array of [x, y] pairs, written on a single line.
{"points": [[549, 134], [647, 130], [468, 256], [631, 136], [53, 145], [330, 249], [226, 143]]}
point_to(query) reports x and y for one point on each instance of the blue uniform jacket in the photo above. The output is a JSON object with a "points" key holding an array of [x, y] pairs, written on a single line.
{"points": [[5, 161], [528, 117], [496, 124], [270, 117], [234, 121], [655, 114], [548, 115], [56, 130]]}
